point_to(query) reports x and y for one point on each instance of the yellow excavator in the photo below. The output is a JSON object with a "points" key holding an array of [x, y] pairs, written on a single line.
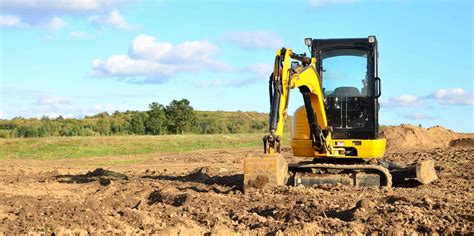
{"points": [[337, 128]]}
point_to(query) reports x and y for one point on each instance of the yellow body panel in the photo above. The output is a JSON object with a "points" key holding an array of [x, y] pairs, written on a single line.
{"points": [[302, 146], [309, 78], [367, 149]]}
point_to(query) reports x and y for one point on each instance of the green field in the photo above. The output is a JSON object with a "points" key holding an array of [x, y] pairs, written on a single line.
{"points": [[82, 147]]}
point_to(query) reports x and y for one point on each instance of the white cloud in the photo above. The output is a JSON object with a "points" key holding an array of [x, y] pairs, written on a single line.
{"points": [[123, 66], [324, 3], [101, 108], [449, 96], [40, 13], [151, 61], [113, 19], [69, 111], [52, 115], [8, 21], [145, 47], [13, 21], [52, 100], [403, 100], [254, 39], [56, 23], [452, 96], [419, 116], [50, 106], [54, 106]]}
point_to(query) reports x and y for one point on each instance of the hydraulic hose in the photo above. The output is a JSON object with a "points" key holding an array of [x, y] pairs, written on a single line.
{"points": [[312, 120]]}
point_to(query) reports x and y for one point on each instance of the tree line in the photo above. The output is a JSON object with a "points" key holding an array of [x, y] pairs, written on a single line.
{"points": [[178, 117]]}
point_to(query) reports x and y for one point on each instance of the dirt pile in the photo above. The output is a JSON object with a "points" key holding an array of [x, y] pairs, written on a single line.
{"points": [[462, 142], [407, 136]]}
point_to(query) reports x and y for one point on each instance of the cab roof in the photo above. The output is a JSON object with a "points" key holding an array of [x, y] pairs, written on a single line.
{"points": [[324, 44]]}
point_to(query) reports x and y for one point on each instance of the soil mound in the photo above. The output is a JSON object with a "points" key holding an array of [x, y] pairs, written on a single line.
{"points": [[407, 136], [462, 142]]}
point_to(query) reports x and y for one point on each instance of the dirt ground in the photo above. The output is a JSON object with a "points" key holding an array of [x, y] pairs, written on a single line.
{"points": [[200, 193]]}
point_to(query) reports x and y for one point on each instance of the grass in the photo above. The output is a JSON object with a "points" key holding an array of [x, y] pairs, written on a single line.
{"points": [[55, 148]]}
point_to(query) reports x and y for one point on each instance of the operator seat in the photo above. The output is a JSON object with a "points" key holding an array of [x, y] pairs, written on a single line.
{"points": [[346, 92]]}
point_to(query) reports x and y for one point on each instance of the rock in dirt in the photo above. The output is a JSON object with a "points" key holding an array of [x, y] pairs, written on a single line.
{"points": [[105, 182], [365, 204]]}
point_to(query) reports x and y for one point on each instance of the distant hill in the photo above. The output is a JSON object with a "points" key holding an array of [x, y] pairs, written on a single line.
{"points": [[119, 123], [233, 121]]}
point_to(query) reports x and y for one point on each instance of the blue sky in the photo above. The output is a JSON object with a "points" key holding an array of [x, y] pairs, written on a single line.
{"points": [[80, 57]]}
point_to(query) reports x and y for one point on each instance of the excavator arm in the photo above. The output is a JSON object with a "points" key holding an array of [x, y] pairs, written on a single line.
{"points": [[296, 71]]}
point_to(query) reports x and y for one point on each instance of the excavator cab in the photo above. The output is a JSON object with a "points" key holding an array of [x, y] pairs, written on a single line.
{"points": [[347, 69]]}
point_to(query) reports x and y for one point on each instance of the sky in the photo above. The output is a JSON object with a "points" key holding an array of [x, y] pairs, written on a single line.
{"points": [[80, 57]]}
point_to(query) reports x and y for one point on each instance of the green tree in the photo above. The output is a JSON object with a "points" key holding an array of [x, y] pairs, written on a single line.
{"points": [[137, 123], [120, 123], [117, 126], [25, 131], [46, 128], [156, 122], [72, 129], [210, 126], [180, 116], [259, 126], [235, 126], [103, 126]]}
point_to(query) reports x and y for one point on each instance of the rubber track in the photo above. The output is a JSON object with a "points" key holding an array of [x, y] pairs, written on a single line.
{"points": [[381, 169]]}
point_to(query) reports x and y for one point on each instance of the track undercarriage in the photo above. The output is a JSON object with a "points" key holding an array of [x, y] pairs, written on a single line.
{"points": [[273, 170], [360, 175]]}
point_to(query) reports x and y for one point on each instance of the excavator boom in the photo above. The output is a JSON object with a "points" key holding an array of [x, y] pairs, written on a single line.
{"points": [[300, 74]]}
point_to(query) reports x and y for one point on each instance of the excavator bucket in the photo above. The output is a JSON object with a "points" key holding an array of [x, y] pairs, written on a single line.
{"points": [[265, 169], [423, 172]]}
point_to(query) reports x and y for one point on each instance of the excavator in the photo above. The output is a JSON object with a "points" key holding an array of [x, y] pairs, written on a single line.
{"points": [[336, 131]]}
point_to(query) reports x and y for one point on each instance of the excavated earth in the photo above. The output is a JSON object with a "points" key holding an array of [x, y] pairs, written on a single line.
{"points": [[201, 193]]}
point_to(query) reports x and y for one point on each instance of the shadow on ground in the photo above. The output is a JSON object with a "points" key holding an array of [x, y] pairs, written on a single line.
{"points": [[103, 176], [200, 175]]}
